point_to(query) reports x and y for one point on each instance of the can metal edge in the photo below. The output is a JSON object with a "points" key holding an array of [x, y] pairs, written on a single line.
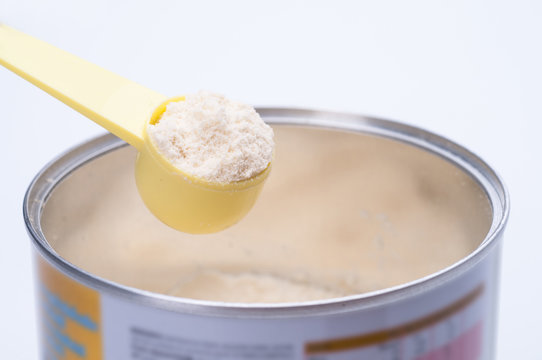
{"points": [[488, 179]]}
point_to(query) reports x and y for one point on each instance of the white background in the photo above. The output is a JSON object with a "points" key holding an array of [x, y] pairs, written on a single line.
{"points": [[469, 70]]}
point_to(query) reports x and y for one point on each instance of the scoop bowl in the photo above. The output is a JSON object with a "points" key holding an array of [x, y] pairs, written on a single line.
{"points": [[186, 202]]}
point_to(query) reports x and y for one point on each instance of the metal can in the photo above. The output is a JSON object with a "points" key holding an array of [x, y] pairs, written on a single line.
{"points": [[447, 314]]}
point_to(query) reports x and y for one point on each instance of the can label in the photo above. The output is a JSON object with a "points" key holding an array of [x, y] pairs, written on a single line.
{"points": [[453, 322], [454, 332], [70, 316]]}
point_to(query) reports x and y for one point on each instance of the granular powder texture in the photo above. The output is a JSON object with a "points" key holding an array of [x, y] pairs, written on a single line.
{"points": [[213, 138]]}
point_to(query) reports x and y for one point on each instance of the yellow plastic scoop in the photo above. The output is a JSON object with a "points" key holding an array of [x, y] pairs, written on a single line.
{"points": [[125, 108]]}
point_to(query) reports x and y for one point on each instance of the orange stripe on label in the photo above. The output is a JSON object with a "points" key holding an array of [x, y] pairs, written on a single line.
{"points": [[70, 315], [359, 341]]}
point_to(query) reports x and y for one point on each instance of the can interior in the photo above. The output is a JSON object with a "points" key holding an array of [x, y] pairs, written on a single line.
{"points": [[342, 213]]}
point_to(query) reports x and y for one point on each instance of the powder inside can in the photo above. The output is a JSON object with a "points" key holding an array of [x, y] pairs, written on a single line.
{"points": [[375, 214], [213, 138]]}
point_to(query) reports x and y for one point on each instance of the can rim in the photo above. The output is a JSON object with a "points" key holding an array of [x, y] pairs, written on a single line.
{"points": [[52, 174]]}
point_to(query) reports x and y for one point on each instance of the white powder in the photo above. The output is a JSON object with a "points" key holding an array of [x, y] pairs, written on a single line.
{"points": [[216, 285], [213, 138]]}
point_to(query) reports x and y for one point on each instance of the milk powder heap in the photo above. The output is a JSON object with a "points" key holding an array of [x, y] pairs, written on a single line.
{"points": [[213, 138]]}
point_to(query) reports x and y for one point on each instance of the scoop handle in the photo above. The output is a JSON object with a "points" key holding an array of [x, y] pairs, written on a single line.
{"points": [[121, 106]]}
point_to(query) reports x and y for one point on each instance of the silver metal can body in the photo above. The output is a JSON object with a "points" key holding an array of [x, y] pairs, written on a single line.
{"points": [[449, 314]]}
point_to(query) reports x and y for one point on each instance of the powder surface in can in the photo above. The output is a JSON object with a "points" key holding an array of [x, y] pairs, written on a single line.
{"points": [[374, 214]]}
